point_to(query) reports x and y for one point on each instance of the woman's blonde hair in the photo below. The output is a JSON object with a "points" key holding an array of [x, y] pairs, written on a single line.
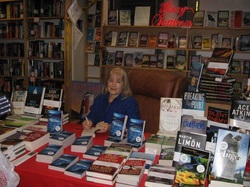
{"points": [[126, 91]]}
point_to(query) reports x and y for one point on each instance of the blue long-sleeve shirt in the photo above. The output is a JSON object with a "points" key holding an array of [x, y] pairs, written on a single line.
{"points": [[102, 110]]}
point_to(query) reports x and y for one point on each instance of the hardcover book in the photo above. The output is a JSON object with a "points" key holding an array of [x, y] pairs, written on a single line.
{"points": [[193, 103], [192, 167], [230, 158], [79, 168], [191, 124], [118, 126], [142, 15], [239, 114], [63, 162], [170, 115], [220, 62], [194, 76], [34, 100], [188, 139]]}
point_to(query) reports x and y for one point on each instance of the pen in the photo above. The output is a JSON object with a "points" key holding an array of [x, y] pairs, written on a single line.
{"points": [[87, 119]]}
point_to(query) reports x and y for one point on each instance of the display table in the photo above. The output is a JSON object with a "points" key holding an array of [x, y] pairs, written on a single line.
{"points": [[37, 174]]}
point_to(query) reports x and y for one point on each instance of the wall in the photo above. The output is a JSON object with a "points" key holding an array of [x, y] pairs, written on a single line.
{"points": [[216, 5]]}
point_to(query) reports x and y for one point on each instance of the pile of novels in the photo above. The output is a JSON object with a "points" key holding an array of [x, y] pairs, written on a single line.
{"points": [[217, 88]]}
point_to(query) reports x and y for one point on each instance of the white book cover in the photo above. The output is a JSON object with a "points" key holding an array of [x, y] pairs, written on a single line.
{"points": [[18, 99], [142, 15]]}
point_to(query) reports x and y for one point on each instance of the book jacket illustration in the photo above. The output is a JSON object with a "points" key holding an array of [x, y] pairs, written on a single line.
{"points": [[191, 124], [192, 167], [194, 77], [136, 132], [230, 156], [170, 114], [118, 126]]}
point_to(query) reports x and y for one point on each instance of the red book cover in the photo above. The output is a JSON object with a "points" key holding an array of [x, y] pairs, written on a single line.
{"points": [[133, 167], [32, 136], [110, 158]]}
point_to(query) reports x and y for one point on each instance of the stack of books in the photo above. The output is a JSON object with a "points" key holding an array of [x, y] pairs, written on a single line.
{"points": [[63, 138], [82, 144], [217, 88], [49, 153], [63, 162], [36, 139]]}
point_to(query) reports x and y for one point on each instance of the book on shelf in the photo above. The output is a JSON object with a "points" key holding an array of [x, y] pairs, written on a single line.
{"points": [[236, 18], [170, 115], [148, 157], [218, 80], [182, 42], [160, 60], [82, 144], [145, 60], [142, 15], [197, 173], [63, 138], [63, 162], [124, 17], [94, 151], [197, 42], [137, 59], [98, 34], [49, 153], [118, 58], [123, 38], [236, 66], [143, 41], [79, 168], [223, 19], [227, 42], [131, 172], [239, 114], [206, 43], [152, 40], [245, 19], [153, 63], [185, 139], [34, 100], [163, 38], [170, 61], [216, 40], [220, 62], [246, 67], [166, 156], [190, 123], [199, 17], [113, 17], [180, 62], [135, 134], [128, 59], [110, 59], [35, 139], [17, 100], [194, 76], [230, 158], [160, 175], [211, 18], [193, 103], [90, 34], [105, 168], [90, 46], [217, 117], [244, 44], [133, 39]]}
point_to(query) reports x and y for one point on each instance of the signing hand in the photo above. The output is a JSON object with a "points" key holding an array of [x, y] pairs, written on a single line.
{"points": [[87, 124], [104, 127]]}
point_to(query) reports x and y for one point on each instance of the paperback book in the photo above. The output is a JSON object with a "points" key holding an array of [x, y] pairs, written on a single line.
{"points": [[63, 138], [166, 156], [94, 151], [78, 169], [170, 115], [82, 144], [194, 76], [63, 162], [35, 139], [50, 153], [17, 100], [119, 149]]}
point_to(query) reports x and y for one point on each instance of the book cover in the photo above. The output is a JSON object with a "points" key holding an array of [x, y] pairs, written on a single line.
{"points": [[170, 61], [54, 121], [182, 40], [194, 103], [160, 60], [239, 114], [148, 157], [136, 132], [226, 42], [163, 39], [153, 144], [206, 43], [197, 42], [223, 18], [113, 17], [34, 100], [110, 59], [79, 168], [142, 15], [145, 60], [235, 66], [166, 156], [49, 153], [64, 138], [180, 62], [170, 115], [137, 59], [192, 167], [217, 117], [245, 19], [63, 162], [17, 100], [143, 42], [152, 40], [198, 19], [118, 126], [123, 38], [194, 76], [90, 34], [124, 17], [94, 151], [128, 59], [133, 39], [211, 18], [118, 58], [230, 156], [82, 144], [36, 139], [244, 44], [188, 139], [191, 124], [216, 80], [219, 62]]}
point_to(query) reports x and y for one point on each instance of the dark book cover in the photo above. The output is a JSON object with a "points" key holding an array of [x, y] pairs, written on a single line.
{"points": [[95, 150], [136, 132], [217, 115], [191, 124], [62, 136], [192, 166], [50, 150], [79, 168], [230, 158], [82, 140], [62, 162], [188, 139], [194, 76], [34, 97], [118, 125]]}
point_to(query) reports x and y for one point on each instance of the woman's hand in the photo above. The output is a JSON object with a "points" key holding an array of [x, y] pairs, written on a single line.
{"points": [[104, 127], [87, 124]]}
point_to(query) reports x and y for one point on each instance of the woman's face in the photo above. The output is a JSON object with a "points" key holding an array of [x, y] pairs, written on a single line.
{"points": [[115, 85]]}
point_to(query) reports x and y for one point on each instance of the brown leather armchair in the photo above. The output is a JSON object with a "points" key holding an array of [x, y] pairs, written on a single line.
{"points": [[148, 86]]}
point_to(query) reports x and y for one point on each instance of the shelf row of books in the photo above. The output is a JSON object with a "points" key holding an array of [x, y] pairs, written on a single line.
{"points": [[14, 49], [11, 30], [222, 18]]}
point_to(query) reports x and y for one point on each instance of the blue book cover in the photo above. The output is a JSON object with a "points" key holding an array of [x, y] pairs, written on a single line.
{"points": [[62, 136], [50, 150], [79, 168], [82, 140], [136, 132], [63, 162], [54, 121], [95, 151], [118, 126], [195, 75], [191, 124]]}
